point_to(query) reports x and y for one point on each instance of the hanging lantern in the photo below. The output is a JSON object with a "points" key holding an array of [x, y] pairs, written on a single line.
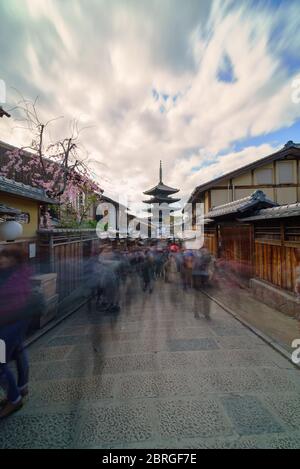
{"points": [[10, 230]]}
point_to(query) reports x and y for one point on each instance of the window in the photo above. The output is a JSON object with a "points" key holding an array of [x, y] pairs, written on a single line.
{"points": [[23, 218], [81, 198], [285, 172], [264, 176]]}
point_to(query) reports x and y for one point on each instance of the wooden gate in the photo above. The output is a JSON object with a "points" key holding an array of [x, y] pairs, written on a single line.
{"points": [[63, 252]]}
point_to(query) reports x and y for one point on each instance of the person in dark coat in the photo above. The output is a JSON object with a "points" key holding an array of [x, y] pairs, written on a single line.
{"points": [[147, 271], [15, 295]]}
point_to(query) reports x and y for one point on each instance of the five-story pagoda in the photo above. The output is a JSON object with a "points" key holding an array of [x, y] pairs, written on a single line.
{"points": [[160, 210]]}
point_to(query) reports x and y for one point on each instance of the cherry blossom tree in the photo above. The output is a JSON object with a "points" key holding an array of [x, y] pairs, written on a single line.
{"points": [[59, 167]]}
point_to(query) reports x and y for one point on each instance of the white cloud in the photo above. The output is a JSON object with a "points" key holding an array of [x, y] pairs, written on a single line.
{"points": [[99, 61]]}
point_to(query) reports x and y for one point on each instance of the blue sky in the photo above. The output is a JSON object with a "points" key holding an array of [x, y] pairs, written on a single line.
{"points": [[206, 86]]}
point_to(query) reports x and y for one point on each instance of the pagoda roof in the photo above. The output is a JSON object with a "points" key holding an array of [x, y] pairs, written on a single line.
{"points": [[162, 208], [161, 200], [161, 188]]}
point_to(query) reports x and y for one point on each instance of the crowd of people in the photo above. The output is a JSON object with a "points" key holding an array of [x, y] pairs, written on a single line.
{"points": [[106, 276], [108, 269]]}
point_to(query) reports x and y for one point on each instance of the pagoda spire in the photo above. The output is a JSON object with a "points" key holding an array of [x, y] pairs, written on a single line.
{"points": [[161, 190], [160, 172]]}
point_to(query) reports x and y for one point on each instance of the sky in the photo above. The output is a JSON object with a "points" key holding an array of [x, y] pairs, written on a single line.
{"points": [[205, 86]]}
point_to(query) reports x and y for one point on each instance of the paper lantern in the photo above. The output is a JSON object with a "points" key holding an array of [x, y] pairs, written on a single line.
{"points": [[10, 230]]}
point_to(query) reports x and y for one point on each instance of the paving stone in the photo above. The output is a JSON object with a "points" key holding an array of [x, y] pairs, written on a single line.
{"points": [[276, 380], [133, 347], [176, 345], [138, 386], [69, 340], [64, 370], [192, 418], [190, 332], [49, 354], [249, 416], [156, 385], [122, 423], [73, 330], [65, 391], [82, 352], [130, 363], [240, 342], [287, 406], [227, 380], [284, 441], [175, 360], [228, 330], [39, 431], [222, 443]]}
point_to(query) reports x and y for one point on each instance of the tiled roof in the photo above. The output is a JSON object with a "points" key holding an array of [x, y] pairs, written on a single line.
{"points": [[6, 147], [256, 200], [161, 188], [5, 210], [283, 211], [17, 188]]}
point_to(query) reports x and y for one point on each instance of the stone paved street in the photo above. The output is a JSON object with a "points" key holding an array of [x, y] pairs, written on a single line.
{"points": [[157, 376]]}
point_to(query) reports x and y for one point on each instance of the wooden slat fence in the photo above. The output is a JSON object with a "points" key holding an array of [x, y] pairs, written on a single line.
{"points": [[63, 252], [275, 253]]}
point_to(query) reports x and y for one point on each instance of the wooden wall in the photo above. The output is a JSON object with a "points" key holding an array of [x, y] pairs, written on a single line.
{"points": [[275, 252], [266, 249], [211, 240], [64, 254], [276, 264], [237, 247]]}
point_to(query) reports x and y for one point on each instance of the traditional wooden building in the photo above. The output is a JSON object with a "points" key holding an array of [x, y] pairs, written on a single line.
{"points": [[261, 241], [28, 200], [81, 202], [227, 236], [277, 175]]}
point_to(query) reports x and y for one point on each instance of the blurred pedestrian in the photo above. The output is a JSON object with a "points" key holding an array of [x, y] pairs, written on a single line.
{"points": [[15, 315], [201, 263], [186, 269], [109, 280], [171, 271], [147, 271]]}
